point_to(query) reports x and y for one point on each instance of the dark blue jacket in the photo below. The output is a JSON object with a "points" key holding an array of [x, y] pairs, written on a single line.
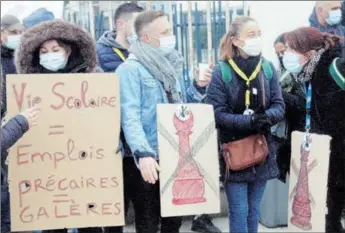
{"points": [[10, 134], [107, 58], [8, 67], [337, 29], [231, 124], [12, 131]]}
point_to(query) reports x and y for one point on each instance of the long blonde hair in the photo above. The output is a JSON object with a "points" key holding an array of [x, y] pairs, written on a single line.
{"points": [[227, 49]]}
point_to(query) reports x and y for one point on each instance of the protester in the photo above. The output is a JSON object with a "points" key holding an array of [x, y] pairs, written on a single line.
{"points": [[11, 132], [294, 100], [313, 57], [112, 50], [38, 16], [327, 17], [112, 47], [55, 47], [11, 30], [238, 117], [151, 75]]}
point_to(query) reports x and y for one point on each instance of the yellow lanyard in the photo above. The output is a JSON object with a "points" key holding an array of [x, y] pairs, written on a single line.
{"points": [[245, 78], [118, 52]]}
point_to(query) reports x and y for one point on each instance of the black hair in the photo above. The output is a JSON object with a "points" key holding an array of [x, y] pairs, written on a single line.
{"points": [[127, 8], [280, 39]]}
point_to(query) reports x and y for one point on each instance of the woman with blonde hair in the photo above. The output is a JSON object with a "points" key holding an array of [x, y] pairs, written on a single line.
{"points": [[247, 101]]}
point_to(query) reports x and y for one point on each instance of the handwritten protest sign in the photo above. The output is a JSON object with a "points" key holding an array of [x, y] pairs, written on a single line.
{"points": [[65, 172], [189, 177], [308, 182]]}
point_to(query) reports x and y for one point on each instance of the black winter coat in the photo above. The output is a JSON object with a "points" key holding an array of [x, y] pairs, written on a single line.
{"points": [[328, 113], [295, 110], [233, 125], [8, 67]]}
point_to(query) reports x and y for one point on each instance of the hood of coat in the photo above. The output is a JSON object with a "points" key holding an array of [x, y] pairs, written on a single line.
{"points": [[337, 29], [108, 40], [27, 54]]}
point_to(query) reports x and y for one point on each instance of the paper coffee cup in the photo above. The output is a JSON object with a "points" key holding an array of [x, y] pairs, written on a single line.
{"points": [[202, 68]]}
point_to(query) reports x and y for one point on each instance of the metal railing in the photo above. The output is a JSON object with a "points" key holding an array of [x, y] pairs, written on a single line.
{"points": [[198, 26]]}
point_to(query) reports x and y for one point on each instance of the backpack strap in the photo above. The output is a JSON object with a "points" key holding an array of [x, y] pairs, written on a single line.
{"points": [[227, 75], [119, 53], [266, 66], [336, 75], [226, 72]]}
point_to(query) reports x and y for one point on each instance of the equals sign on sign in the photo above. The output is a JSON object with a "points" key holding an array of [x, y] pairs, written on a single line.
{"points": [[56, 130]]}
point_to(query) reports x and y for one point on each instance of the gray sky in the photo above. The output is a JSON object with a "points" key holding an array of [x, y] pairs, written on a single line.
{"points": [[23, 8]]}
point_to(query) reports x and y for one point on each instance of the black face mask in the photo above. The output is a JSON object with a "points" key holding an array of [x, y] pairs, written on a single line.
{"points": [[281, 62]]}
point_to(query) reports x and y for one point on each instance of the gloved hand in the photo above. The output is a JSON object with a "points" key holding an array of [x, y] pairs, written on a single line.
{"points": [[261, 123]]}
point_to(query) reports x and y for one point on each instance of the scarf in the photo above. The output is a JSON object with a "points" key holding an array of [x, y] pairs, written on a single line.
{"points": [[247, 65], [286, 80], [166, 69], [307, 73]]}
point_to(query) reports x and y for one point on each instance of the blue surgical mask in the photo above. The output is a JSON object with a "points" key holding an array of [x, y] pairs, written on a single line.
{"points": [[13, 41], [291, 62], [334, 17], [131, 39], [53, 61]]}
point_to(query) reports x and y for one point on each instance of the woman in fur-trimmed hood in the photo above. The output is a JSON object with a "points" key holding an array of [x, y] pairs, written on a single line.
{"points": [[56, 47]]}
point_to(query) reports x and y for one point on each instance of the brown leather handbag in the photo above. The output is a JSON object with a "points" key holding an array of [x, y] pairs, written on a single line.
{"points": [[245, 153]]}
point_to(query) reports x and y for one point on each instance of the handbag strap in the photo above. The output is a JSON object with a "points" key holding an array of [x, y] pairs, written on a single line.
{"points": [[263, 90]]}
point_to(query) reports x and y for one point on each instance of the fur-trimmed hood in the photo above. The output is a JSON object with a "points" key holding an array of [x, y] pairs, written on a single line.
{"points": [[27, 58]]}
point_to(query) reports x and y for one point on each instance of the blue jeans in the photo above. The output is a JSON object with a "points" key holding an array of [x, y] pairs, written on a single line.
{"points": [[244, 205]]}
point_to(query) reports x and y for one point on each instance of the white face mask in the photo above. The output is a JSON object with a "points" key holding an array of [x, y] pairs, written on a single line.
{"points": [[53, 61], [252, 47], [167, 44], [13, 41]]}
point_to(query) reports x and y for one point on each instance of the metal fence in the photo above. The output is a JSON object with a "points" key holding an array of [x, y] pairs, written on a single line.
{"points": [[198, 27]]}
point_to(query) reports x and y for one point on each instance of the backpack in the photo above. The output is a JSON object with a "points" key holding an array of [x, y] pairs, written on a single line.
{"points": [[227, 74]]}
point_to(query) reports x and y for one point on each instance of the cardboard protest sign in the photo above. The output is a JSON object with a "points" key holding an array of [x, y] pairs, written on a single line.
{"points": [[308, 183], [65, 173], [188, 157]]}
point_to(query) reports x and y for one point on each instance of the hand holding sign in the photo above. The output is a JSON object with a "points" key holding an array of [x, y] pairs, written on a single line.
{"points": [[31, 115], [62, 174]]}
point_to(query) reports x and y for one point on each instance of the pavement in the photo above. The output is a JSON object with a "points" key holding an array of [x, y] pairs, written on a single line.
{"points": [[221, 223]]}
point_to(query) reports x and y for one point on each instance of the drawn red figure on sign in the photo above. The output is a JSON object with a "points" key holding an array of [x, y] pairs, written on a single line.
{"points": [[301, 206], [189, 186]]}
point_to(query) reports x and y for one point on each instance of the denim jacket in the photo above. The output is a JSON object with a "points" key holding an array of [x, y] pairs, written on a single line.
{"points": [[140, 93]]}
